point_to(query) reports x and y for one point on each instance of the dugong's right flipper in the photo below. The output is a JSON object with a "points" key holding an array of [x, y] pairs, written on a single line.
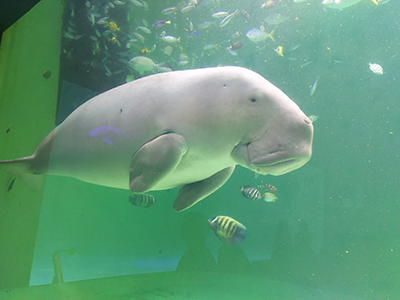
{"points": [[194, 192], [155, 160]]}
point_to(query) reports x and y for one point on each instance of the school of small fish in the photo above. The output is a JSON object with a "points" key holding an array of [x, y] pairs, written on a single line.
{"points": [[125, 43], [253, 193]]}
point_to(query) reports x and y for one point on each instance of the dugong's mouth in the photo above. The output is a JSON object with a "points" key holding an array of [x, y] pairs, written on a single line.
{"points": [[278, 163]]}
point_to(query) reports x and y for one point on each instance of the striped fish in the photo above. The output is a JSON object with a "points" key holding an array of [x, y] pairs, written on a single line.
{"points": [[229, 229], [267, 187], [250, 192], [377, 69], [142, 200]]}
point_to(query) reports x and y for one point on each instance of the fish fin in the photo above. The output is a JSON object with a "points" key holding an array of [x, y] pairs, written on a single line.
{"points": [[271, 35], [231, 241], [194, 192], [376, 2], [21, 168], [240, 234]]}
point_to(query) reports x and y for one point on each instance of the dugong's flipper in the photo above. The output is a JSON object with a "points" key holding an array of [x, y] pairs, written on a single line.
{"points": [[155, 160], [192, 193]]}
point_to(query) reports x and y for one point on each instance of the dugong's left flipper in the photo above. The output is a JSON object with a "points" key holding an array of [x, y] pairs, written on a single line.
{"points": [[194, 192], [154, 160]]}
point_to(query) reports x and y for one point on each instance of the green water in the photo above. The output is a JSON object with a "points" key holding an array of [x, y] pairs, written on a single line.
{"points": [[332, 234]]}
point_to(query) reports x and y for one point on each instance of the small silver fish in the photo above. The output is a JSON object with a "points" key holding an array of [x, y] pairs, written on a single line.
{"points": [[231, 52], [227, 19], [91, 18], [219, 14], [137, 3], [102, 21], [168, 10], [182, 63], [314, 86], [140, 37], [337, 4], [142, 200], [306, 63], [205, 24], [144, 29], [210, 46], [235, 35], [228, 228], [145, 23], [187, 8], [68, 35], [108, 71], [250, 192], [256, 35], [377, 69], [183, 56], [171, 39]]}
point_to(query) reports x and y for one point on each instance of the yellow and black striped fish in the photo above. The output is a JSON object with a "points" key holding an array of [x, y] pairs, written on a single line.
{"points": [[228, 228], [142, 200], [250, 192]]}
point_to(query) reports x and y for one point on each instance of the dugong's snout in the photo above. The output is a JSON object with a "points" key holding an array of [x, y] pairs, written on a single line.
{"points": [[278, 150], [290, 147]]}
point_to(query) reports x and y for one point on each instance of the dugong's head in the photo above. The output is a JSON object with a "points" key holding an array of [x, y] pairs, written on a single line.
{"points": [[277, 135]]}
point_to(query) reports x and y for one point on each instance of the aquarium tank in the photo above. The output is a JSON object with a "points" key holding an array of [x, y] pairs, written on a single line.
{"points": [[319, 227]]}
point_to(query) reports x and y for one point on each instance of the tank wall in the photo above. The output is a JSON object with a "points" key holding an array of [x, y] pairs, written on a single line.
{"points": [[28, 103]]}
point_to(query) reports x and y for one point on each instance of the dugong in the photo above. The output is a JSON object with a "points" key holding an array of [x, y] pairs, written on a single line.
{"points": [[184, 128]]}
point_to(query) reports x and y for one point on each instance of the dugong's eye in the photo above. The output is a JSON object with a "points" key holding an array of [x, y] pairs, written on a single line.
{"points": [[253, 99]]}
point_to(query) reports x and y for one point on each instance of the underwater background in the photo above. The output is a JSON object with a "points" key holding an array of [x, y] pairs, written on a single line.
{"points": [[331, 234]]}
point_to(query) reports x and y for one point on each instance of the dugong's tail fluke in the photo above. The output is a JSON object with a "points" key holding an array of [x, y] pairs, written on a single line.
{"points": [[21, 167]]}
